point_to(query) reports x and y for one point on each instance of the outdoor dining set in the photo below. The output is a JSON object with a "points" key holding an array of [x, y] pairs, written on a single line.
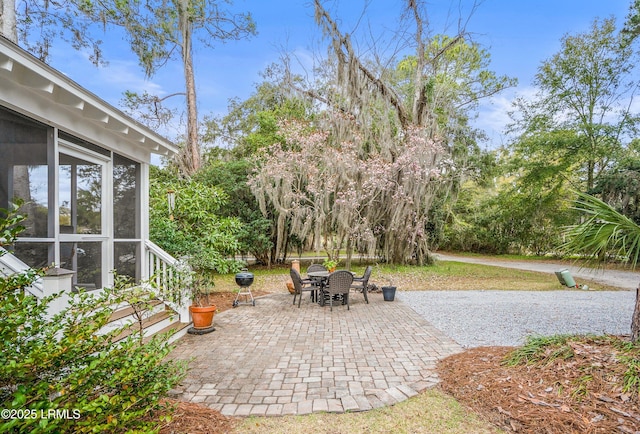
{"points": [[326, 286]]}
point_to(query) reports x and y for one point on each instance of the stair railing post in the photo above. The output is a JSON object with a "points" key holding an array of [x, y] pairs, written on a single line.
{"points": [[58, 280]]}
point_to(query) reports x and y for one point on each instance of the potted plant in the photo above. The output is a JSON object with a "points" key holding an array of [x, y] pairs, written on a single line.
{"points": [[330, 265], [201, 309]]}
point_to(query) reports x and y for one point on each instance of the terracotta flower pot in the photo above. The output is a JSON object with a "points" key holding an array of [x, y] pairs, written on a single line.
{"points": [[202, 316]]}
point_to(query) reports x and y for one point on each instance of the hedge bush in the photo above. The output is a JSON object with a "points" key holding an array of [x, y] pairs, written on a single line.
{"points": [[62, 373]]}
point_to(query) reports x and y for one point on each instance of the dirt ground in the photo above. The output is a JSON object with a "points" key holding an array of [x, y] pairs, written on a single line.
{"points": [[223, 300], [577, 394]]}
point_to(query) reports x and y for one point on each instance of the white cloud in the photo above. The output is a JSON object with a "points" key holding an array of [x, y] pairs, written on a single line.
{"points": [[127, 75], [108, 82], [493, 116]]}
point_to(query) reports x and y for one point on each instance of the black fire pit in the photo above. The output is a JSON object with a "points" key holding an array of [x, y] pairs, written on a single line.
{"points": [[244, 280]]}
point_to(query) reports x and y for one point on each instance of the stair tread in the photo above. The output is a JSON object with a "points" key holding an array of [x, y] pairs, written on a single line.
{"points": [[123, 313], [146, 323], [177, 326]]}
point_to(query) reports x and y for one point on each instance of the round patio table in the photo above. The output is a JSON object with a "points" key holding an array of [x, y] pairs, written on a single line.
{"points": [[321, 277]]}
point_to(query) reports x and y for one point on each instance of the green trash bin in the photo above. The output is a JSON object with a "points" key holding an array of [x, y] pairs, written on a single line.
{"points": [[560, 278], [565, 278]]}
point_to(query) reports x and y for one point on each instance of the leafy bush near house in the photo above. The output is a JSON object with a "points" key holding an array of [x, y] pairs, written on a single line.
{"points": [[194, 228], [230, 175], [59, 374]]}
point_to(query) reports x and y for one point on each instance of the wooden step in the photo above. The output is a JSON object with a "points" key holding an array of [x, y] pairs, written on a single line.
{"points": [[179, 327], [146, 323], [123, 313]]}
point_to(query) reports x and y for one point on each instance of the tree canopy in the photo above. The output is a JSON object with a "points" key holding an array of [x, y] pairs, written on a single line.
{"points": [[388, 129], [582, 112], [159, 31]]}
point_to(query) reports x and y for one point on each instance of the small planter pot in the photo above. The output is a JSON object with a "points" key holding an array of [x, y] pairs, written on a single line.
{"points": [[389, 293], [202, 316]]}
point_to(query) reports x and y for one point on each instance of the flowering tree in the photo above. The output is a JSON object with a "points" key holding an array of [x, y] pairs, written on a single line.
{"points": [[329, 190], [367, 176]]}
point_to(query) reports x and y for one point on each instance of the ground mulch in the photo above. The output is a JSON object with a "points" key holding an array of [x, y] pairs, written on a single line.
{"points": [[190, 418], [579, 394], [223, 300]]}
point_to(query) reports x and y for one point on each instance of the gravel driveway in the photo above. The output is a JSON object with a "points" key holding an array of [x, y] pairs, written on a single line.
{"points": [[486, 318]]}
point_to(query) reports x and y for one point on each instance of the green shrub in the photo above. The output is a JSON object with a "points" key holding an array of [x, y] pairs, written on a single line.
{"points": [[194, 227], [61, 374], [538, 349]]}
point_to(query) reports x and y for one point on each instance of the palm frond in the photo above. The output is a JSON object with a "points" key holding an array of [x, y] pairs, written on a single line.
{"points": [[604, 233]]}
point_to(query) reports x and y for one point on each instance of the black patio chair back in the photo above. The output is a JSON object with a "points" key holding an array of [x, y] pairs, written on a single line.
{"points": [[361, 283], [339, 283], [316, 267], [311, 269], [300, 285]]}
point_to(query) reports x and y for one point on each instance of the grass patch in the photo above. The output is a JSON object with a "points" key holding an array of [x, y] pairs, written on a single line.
{"points": [[445, 275], [464, 276], [541, 348], [631, 379], [430, 412]]}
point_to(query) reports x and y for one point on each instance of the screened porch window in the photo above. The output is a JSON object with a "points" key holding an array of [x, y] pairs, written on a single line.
{"points": [[126, 217], [25, 175], [82, 201], [80, 192]]}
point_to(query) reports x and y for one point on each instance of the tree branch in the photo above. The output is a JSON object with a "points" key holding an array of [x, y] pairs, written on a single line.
{"points": [[346, 56]]}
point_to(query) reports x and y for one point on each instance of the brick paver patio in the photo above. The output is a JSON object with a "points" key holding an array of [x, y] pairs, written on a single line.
{"points": [[274, 359]]}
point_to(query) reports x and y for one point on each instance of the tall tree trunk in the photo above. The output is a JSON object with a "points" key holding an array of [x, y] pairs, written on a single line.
{"points": [[8, 27], [590, 174], [191, 152], [418, 92], [635, 320]]}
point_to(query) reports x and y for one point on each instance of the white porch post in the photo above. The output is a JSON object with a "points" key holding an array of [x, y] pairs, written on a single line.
{"points": [[58, 280], [144, 220]]}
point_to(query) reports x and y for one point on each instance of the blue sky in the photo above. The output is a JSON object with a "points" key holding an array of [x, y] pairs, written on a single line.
{"points": [[519, 35]]}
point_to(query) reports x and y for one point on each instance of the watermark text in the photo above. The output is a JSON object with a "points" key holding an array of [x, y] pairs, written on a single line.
{"points": [[50, 413]]}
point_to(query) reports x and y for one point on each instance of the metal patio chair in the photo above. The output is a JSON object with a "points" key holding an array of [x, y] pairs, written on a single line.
{"points": [[300, 285], [316, 267], [313, 268]]}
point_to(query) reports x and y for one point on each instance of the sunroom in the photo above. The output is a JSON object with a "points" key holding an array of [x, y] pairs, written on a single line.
{"points": [[81, 167]]}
